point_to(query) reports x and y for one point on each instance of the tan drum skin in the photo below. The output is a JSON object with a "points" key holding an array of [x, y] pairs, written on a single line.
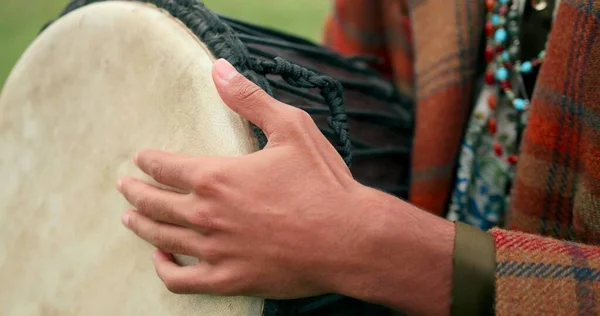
{"points": [[92, 89]]}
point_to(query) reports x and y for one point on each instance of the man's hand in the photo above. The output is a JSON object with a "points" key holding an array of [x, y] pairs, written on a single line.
{"points": [[285, 222]]}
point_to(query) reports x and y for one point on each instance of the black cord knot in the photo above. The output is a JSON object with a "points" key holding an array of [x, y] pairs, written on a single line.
{"points": [[331, 90]]}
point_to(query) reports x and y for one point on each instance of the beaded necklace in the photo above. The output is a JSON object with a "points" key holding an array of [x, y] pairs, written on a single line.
{"points": [[490, 146], [504, 69]]}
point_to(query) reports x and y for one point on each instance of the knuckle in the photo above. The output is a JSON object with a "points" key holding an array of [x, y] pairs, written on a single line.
{"points": [[305, 121], [211, 253], [296, 121], [160, 212], [296, 118], [202, 219], [157, 238], [175, 286], [247, 92], [201, 185], [211, 179], [143, 203], [178, 171], [217, 175], [156, 170], [171, 245], [302, 116]]}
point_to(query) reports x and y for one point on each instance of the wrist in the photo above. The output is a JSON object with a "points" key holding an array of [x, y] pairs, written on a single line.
{"points": [[403, 259]]}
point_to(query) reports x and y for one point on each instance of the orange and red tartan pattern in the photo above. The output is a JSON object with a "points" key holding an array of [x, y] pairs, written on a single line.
{"points": [[548, 255]]}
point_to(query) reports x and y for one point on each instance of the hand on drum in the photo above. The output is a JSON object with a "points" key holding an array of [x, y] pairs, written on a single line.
{"points": [[285, 222]]}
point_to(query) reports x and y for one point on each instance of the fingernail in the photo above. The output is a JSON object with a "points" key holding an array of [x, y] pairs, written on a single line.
{"points": [[119, 184], [136, 158], [125, 219], [225, 70], [154, 255]]}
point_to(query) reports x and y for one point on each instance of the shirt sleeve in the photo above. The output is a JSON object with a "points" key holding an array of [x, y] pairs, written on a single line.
{"points": [[504, 272], [540, 275], [473, 278]]}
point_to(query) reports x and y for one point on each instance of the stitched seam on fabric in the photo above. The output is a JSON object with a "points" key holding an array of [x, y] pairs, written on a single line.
{"points": [[441, 65], [451, 78], [452, 83]]}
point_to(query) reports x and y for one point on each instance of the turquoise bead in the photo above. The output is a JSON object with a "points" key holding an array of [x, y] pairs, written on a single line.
{"points": [[503, 1], [495, 19], [505, 55], [500, 35], [526, 67], [519, 104], [501, 74]]}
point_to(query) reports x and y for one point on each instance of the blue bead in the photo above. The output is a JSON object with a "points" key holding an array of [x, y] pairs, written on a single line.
{"points": [[505, 55], [501, 74], [526, 67], [519, 104], [495, 19], [504, 1], [500, 35]]}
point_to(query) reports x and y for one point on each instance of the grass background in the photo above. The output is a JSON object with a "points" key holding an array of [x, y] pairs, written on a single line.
{"points": [[21, 20]]}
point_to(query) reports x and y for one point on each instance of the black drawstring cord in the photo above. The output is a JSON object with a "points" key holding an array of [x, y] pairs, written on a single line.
{"points": [[331, 91]]}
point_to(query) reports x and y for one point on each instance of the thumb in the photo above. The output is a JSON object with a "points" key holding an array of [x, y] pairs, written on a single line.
{"points": [[246, 98]]}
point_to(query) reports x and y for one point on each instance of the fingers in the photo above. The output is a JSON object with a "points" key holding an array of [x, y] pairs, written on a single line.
{"points": [[246, 98], [176, 278], [167, 168], [170, 238], [198, 279], [157, 204]]}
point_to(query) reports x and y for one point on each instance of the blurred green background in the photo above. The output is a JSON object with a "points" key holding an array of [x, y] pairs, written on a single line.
{"points": [[21, 20]]}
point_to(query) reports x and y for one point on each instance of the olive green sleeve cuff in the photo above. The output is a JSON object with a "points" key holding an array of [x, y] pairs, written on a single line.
{"points": [[474, 274]]}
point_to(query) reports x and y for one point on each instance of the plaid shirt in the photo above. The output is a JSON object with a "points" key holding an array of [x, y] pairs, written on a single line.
{"points": [[548, 255]]}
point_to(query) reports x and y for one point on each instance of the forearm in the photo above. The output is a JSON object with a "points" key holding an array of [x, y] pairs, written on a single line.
{"points": [[405, 260]]}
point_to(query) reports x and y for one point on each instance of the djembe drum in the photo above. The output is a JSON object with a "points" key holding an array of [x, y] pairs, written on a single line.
{"points": [[109, 78]]}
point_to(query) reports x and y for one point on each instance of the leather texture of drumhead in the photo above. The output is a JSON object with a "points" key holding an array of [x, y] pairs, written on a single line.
{"points": [[96, 86]]}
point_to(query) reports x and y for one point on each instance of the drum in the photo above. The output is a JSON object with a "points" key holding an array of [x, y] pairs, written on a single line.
{"points": [[110, 77]]}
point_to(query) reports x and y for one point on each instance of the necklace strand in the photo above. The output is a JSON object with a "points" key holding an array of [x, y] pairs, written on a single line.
{"points": [[505, 71]]}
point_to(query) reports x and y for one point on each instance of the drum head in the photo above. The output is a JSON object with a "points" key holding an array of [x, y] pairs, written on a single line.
{"points": [[96, 86]]}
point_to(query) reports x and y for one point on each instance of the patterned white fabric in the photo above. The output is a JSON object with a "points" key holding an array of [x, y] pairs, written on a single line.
{"points": [[481, 192]]}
